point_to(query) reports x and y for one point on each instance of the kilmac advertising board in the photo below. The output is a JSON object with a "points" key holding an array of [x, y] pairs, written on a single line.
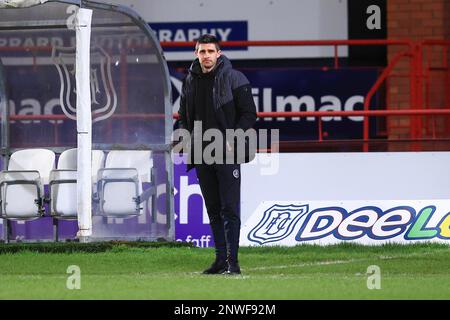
{"points": [[304, 89]]}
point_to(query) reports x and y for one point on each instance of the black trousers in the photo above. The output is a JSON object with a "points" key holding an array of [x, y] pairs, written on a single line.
{"points": [[221, 188]]}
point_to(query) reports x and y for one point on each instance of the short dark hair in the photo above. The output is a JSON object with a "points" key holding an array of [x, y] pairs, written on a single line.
{"points": [[208, 38]]}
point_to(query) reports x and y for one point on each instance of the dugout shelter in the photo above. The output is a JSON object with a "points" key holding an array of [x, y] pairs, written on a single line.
{"points": [[86, 124]]}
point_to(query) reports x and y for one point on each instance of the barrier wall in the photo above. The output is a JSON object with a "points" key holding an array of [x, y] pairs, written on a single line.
{"points": [[325, 198]]}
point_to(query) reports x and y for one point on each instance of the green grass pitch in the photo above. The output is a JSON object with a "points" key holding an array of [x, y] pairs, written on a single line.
{"points": [[418, 271]]}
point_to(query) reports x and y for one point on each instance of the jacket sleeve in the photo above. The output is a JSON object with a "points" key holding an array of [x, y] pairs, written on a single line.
{"points": [[182, 120], [245, 105]]}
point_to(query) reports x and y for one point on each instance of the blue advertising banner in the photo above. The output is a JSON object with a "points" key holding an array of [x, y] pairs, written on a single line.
{"points": [[293, 89]]}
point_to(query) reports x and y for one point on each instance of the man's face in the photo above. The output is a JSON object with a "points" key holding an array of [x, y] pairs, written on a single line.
{"points": [[207, 55]]}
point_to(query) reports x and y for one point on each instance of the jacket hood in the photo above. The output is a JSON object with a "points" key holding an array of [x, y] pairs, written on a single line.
{"points": [[223, 63]]}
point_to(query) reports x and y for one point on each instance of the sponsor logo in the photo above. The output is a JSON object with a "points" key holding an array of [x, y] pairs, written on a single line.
{"points": [[203, 241], [279, 222], [267, 101]]}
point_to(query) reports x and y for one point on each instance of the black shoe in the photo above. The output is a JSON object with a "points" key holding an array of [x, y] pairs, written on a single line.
{"points": [[218, 267], [233, 268]]}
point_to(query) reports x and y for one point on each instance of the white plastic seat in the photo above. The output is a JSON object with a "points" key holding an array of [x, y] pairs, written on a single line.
{"points": [[63, 183], [120, 182], [22, 185]]}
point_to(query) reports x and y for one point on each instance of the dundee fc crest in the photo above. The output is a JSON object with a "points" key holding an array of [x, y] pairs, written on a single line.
{"points": [[277, 223], [103, 93]]}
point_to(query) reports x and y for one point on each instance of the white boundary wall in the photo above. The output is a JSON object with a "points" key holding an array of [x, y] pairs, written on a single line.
{"points": [[298, 184]]}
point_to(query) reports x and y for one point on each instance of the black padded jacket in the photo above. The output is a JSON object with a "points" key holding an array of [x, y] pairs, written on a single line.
{"points": [[232, 97]]}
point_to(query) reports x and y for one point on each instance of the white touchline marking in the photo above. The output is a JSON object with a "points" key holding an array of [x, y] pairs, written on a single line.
{"points": [[305, 264], [320, 263]]}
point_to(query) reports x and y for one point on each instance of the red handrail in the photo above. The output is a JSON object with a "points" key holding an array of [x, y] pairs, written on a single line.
{"points": [[22, 117], [280, 43], [285, 114], [354, 113], [375, 87]]}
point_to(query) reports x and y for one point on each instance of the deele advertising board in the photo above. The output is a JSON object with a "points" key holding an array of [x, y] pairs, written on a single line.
{"points": [[329, 222]]}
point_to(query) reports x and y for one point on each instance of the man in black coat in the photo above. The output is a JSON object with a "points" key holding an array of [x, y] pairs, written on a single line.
{"points": [[218, 97]]}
